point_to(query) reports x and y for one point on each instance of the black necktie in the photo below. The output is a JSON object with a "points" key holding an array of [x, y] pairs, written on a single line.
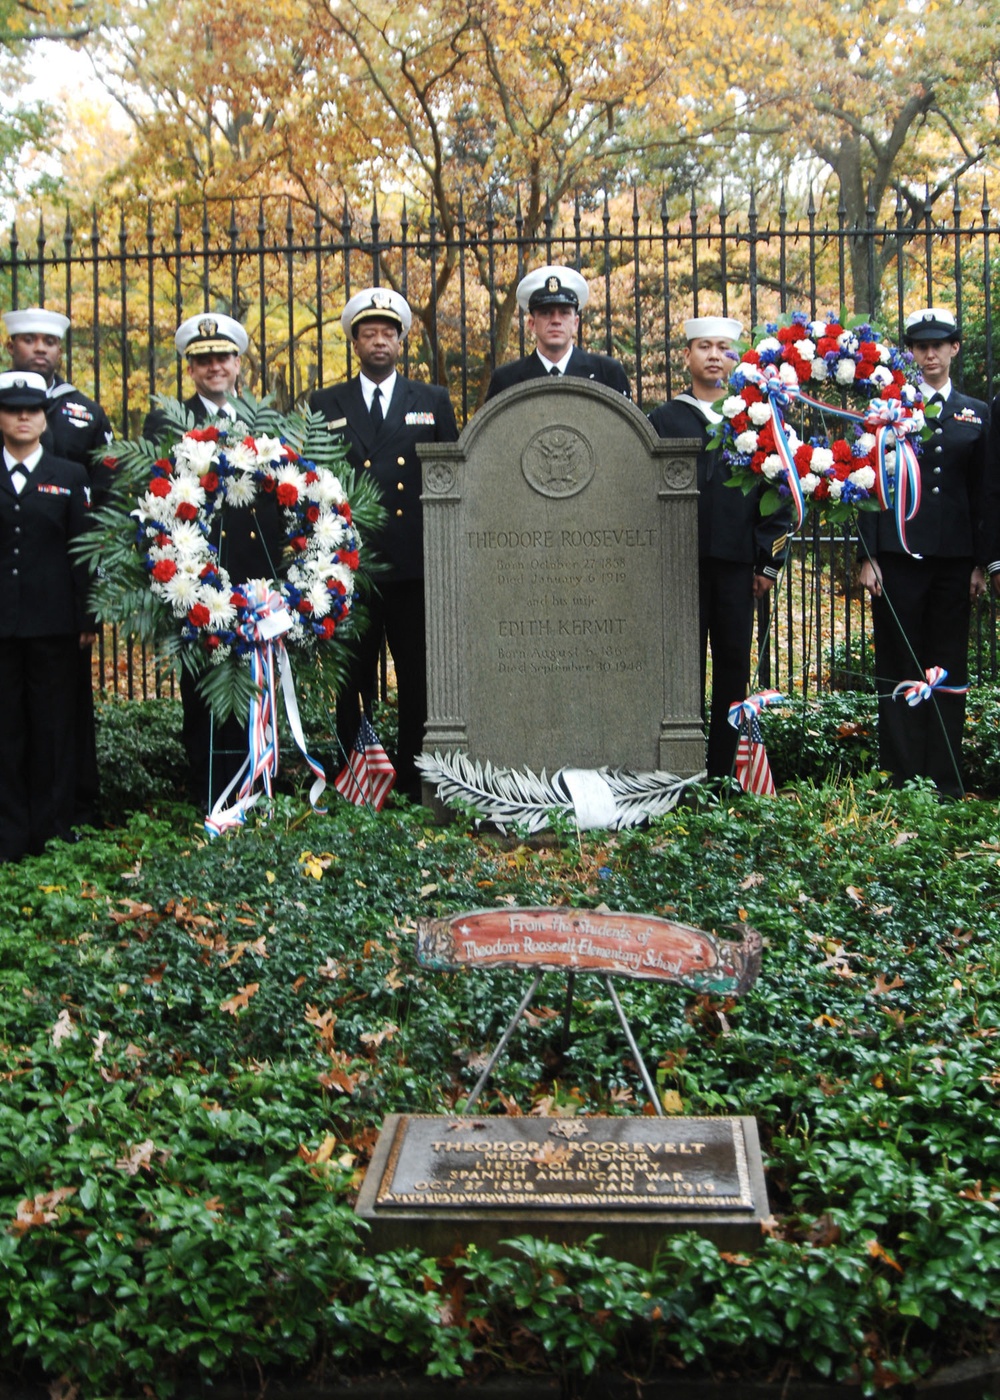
{"points": [[936, 398], [378, 418], [18, 477], [556, 371]]}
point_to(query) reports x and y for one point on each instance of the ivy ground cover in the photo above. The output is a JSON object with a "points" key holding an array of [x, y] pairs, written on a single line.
{"points": [[198, 1044]]}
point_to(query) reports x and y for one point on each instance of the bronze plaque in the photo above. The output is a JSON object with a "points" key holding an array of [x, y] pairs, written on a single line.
{"points": [[625, 1163], [442, 1183], [592, 940]]}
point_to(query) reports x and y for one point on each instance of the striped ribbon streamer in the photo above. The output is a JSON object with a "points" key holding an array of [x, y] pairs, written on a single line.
{"points": [[778, 397], [265, 620], [914, 692]]}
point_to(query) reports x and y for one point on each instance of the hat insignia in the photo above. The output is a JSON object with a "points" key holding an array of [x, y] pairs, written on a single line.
{"points": [[381, 298], [553, 284], [208, 327], [20, 383]]}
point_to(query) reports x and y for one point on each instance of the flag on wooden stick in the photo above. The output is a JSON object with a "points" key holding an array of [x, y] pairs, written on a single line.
{"points": [[367, 777], [753, 771]]}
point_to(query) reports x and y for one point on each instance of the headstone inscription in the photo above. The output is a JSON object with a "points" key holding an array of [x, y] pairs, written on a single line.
{"points": [[561, 583], [448, 1181]]}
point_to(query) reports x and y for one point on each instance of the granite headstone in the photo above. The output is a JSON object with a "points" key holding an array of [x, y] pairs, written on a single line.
{"points": [[561, 578]]}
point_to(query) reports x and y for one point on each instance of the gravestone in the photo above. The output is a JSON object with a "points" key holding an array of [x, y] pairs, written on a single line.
{"points": [[561, 581]]}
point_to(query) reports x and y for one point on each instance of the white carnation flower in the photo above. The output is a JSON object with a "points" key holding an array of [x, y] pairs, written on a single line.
{"points": [[241, 490], [746, 442], [817, 329], [182, 590], [186, 491], [732, 406], [822, 460], [819, 371], [881, 376], [326, 490], [187, 539], [809, 483], [759, 414], [806, 348], [768, 344], [848, 341], [787, 375], [884, 354], [221, 610], [771, 466], [329, 532], [863, 477], [845, 372], [866, 442], [241, 458], [835, 486], [319, 596]]}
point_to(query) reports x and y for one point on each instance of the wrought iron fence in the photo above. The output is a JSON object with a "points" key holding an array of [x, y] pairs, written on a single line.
{"points": [[285, 271]]}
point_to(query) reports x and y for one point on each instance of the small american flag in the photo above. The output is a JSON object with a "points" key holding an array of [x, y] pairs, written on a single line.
{"points": [[753, 771], [367, 777]]}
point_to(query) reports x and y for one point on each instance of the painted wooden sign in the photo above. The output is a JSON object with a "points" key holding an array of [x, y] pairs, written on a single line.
{"points": [[591, 940]]}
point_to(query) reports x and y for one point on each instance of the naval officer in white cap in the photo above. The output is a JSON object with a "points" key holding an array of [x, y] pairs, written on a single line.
{"points": [[44, 623], [78, 430], [553, 296], [740, 553], [922, 600], [250, 539], [383, 416]]}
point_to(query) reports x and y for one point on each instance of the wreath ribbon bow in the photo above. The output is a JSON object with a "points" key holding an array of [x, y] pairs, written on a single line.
{"points": [[265, 621], [741, 711], [915, 692]]}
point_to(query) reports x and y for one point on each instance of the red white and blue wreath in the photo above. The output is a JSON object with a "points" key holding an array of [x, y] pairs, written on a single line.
{"points": [[260, 619], [825, 369], [160, 574]]}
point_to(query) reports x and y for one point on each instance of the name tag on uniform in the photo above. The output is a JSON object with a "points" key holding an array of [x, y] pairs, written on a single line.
{"points": [[336, 423], [412, 419], [56, 490]]}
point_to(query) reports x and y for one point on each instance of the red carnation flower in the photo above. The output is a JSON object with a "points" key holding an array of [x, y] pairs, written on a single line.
{"points": [[334, 585], [187, 510], [822, 490], [751, 394], [327, 628], [268, 483], [312, 514], [311, 477], [827, 345], [841, 451], [803, 458], [238, 600], [348, 557], [299, 542], [159, 486], [211, 642], [163, 464], [290, 452], [209, 482], [164, 570], [198, 615], [203, 435], [345, 511], [304, 605], [757, 462], [162, 539], [287, 494], [207, 571], [740, 424], [750, 357]]}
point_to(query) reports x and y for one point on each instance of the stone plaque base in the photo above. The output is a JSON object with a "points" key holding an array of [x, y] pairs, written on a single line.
{"points": [[439, 1183]]}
